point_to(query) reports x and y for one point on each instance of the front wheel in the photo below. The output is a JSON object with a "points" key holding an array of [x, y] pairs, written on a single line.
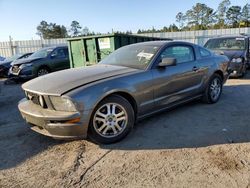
{"points": [[214, 89], [111, 120], [42, 71]]}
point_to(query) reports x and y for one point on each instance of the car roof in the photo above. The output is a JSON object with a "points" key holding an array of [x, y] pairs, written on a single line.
{"points": [[230, 36], [53, 47], [163, 43]]}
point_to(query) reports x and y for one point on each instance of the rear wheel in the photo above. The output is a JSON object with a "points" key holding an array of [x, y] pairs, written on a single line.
{"points": [[111, 120], [214, 89], [42, 71]]}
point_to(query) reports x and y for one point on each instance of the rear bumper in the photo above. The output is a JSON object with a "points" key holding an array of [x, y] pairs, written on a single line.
{"points": [[53, 123]]}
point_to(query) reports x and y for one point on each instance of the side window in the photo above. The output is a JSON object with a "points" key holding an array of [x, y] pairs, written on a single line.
{"points": [[58, 53], [182, 54], [204, 52]]}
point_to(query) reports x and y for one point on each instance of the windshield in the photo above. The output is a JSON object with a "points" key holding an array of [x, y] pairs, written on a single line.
{"points": [[41, 53], [226, 44], [136, 56]]}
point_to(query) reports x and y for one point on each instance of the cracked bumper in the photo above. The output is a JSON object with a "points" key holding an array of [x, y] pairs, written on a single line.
{"points": [[53, 123]]}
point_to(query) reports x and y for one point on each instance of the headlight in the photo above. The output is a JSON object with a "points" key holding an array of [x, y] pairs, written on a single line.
{"points": [[62, 104], [26, 65], [237, 60]]}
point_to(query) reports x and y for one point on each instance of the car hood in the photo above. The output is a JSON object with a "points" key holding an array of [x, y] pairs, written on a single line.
{"points": [[24, 61], [5, 63], [231, 53], [58, 83]]}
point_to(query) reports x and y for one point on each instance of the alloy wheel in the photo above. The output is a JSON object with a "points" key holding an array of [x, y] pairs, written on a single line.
{"points": [[110, 120], [215, 89], [42, 72]]}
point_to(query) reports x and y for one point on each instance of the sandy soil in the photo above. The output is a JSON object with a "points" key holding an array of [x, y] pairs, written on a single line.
{"points": [[195, 145]]}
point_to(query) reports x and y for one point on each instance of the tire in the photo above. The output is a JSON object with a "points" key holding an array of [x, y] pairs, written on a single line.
{"points": [[243, 72], [213, 95], [105, 128], [42, 71]]}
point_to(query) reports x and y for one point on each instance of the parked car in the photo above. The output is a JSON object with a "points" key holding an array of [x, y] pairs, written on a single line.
{"points": [[6, 64], [236, 48], [2, 58], [105, 100], [42, 62]]}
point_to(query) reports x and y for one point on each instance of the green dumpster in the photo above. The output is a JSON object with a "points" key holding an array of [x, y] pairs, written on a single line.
{"points": [[85, 51]]}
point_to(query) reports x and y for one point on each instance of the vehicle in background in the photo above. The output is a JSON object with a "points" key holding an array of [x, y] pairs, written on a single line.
{"points": [[236, 48], [2, 58], [104, 101], [42, 62], [6, 64]]}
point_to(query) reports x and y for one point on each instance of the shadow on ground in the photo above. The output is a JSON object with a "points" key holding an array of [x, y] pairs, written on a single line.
{"points": [[195, 124]]}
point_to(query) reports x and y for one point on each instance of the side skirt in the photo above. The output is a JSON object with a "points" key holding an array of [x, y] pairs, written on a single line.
{"points": [[169, 107]]}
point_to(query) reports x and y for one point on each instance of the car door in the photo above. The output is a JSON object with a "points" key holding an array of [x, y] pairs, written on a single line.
{"points": [[174, 83], [60, 59]]}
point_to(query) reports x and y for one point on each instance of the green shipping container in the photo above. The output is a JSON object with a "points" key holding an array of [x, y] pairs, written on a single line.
{"points": [[85, 51]]}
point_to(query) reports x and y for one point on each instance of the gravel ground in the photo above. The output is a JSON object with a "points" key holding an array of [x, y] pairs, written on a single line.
{"points": [[195, 145]]}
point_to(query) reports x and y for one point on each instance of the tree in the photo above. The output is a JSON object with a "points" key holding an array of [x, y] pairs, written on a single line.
{"points": [[51, 30], [42, 29], [75, 28], [221, 12], [180, 18], [173, 28], [233, 16], [245, 15], [200, 16], [86, 31]]}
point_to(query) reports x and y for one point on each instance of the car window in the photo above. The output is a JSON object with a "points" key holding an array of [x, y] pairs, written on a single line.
{"points": [[59, 53], [204, 52], [181, 53], [226, 44]]}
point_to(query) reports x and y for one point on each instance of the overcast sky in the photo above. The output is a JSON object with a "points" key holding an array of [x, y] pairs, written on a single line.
{"points": [[19, 18]]}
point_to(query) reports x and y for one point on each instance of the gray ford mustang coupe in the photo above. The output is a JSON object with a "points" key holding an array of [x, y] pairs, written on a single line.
{"points": [[105, 100]]}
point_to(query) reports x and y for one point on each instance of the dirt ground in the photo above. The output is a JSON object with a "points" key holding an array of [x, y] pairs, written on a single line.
{"points": [[195, 145]]}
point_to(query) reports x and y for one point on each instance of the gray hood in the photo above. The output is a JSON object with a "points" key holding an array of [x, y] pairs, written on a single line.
{"points": [[24, 61], [60, 82]]}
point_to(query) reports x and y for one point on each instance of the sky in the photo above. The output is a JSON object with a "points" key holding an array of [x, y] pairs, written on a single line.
{"points": [[19, 18]]}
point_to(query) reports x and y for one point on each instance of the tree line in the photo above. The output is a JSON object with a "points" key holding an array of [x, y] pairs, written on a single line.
{"points": [[53, 31], [199, 17], [202, 17]]}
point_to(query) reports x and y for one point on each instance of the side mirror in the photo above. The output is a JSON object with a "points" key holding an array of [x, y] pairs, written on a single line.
{"points": [[53, 55], [167, 62]]}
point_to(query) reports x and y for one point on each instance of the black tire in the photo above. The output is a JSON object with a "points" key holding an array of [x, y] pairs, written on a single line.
{"points": [[42, 71], [208, 96], [121, 104], [243, 72]]}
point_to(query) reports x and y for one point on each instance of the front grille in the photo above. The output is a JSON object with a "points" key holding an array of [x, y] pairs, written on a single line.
{"points": [[15, 69], [35, 99]]}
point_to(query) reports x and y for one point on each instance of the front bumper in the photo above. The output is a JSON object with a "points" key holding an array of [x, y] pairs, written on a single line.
{"points": [[236, 69], [53, 123], [25, 73]]}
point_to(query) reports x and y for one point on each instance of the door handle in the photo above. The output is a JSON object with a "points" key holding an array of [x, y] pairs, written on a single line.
{"points": [[195, 69]]}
